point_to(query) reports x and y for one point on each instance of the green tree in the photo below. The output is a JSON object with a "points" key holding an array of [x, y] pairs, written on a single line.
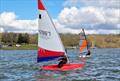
{"points": [[20, 39], [23, 38], [4, 38], [33, 39], [10, 38], [26, 38]]}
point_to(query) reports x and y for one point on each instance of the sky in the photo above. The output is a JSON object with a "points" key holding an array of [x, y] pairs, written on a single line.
{"points": [[69, 16]]}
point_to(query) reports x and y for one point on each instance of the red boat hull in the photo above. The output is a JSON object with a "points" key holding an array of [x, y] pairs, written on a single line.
{"points": [[64, 68]]}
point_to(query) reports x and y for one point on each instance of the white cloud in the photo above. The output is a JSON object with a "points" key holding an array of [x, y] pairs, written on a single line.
{"points": [[7, 18], [1, 30], [90, 18], [9, 22], [103, 3], [70, 20], [96, 3], [63, 29], [96, 16], [88, 15]]}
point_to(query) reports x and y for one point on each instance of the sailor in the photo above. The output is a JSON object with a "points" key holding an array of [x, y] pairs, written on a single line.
{"points": [[88, 54], [63, 61]]}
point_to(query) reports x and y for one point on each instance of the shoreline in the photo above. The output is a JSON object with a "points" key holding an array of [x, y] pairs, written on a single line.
{"points": [[22, 47], [35, 47]]}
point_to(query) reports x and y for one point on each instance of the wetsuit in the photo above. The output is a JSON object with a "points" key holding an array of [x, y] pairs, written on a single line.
{"points": [[88, 53], [63, 61]]}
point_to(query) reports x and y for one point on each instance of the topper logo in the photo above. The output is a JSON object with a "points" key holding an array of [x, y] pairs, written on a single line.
{"points": [[44, 34]]}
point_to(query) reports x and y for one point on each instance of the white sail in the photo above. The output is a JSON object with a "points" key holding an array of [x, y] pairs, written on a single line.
{"points": [[49, 42], [48, 37]]}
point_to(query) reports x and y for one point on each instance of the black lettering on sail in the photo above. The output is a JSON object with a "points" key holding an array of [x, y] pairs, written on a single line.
{"points": [[39, 16], [45, 34]]}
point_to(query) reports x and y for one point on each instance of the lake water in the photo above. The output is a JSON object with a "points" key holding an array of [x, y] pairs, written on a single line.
{"points": [[20, 65]]}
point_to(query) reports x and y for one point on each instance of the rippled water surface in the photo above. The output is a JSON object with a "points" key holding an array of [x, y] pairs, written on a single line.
{"points": [[20, 65]]}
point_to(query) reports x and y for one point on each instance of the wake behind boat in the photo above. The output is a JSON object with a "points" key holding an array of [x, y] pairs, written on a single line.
{"points": [[50, 46], [85, 56]]}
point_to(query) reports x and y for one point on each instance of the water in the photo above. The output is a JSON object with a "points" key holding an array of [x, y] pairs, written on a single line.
{"points": [[20, 65]]}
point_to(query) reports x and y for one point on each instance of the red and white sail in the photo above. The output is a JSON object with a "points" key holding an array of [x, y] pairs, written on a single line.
{"points": [[49, 42]]}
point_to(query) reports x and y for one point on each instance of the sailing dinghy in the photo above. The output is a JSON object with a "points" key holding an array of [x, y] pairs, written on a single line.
{"points": [[50, 46], [83, 45]]}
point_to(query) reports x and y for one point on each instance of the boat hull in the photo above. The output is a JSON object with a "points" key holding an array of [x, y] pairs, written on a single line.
{"points": [[64, 68]]}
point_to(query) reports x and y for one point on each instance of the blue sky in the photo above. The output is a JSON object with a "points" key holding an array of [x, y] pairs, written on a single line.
{"points": [[69, 16], [27, 9]]}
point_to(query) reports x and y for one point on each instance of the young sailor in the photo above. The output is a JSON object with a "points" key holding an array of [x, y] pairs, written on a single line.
{"points": [[63, 61], [88, 54]]}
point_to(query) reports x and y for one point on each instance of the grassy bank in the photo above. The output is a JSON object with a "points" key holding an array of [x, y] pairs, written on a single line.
{"points": [[105, 41], [22, 47], [100, 41]]}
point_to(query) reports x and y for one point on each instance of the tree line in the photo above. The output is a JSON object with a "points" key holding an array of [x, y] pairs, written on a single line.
{"points": [[25, 38], [18, 38], [100, 41]]}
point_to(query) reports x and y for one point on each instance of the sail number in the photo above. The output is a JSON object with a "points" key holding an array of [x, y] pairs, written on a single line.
{"points": [[44, 34]]}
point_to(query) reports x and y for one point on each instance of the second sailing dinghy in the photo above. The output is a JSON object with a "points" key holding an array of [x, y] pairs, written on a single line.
{"points": [[84, 48], [50, 46]]}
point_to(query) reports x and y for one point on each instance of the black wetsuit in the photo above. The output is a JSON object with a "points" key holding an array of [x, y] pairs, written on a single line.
{"points": [[63, 61], [88, 53]]}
